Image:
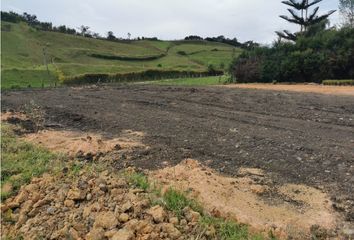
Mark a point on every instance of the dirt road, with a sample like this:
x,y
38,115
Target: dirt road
x,y
303,138
309,88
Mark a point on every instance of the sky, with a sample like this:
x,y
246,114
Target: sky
x,y
169,19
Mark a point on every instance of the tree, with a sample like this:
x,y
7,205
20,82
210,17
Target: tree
x,y
346,9
110,36
193,37
304,19
62,29
84,30
30,19
96,35
129,35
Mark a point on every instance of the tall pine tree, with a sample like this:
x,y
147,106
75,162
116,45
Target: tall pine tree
x,y
300,15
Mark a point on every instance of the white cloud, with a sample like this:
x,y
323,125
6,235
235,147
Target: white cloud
x,y
168,19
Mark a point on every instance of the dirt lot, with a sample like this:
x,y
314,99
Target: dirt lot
x,y
313,88
295,138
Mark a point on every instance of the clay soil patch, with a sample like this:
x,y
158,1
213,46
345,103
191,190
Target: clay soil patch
x,y
76,142
333,90
247,199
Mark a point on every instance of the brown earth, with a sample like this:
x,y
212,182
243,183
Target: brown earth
x,y
76,142
301,141
310,88
92,206
240,198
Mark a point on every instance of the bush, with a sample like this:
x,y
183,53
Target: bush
x,y
327,55
338,82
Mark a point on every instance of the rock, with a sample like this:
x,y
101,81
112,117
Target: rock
x,y
349,232
89,197
172,232
10,205
21,197
132,225
191,215
100,181
126,207
76,194
51,210
157,213
95,234
21,220
117,192
35,197
109,234
69,203
41,203
26,207
145,227
106,220
103,187
183,222
123,218
174,220
123,234
31,188
74,234
82,184
61,233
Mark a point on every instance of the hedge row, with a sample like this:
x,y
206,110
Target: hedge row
x,y
127,58
91,78
338,82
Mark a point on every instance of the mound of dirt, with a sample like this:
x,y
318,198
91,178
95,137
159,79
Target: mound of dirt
x,y
76,143
251,198
94,206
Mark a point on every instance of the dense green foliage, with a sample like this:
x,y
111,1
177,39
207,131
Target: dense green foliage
x,y
326,54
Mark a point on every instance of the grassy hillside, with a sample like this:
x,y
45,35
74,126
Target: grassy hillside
x,y
22,58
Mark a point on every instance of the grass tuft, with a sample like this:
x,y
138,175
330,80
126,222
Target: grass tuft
x,y
139,180
176,201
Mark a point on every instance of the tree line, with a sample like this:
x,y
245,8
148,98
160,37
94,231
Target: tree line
x,y
222,39
83,30
315,53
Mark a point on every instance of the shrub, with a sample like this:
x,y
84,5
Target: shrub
x,y
326,55
338,82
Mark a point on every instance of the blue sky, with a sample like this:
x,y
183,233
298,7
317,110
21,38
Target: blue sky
x,y
168,19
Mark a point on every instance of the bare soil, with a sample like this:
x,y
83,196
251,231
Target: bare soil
x,y
310,88
297,139
240,198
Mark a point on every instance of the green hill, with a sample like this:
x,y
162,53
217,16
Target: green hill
x,y
72,56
